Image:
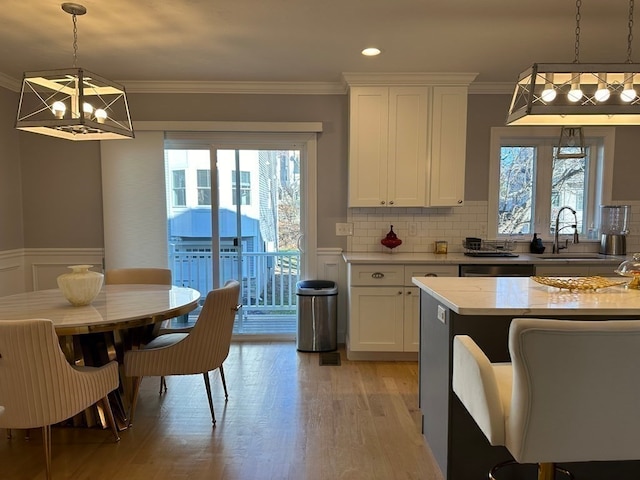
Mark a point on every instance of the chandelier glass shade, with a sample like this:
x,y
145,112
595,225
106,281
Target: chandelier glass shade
x,y
73,103
577,94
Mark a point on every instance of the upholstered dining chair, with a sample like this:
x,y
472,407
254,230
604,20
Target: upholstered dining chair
x,y
144,276
201,350
38,386
570,394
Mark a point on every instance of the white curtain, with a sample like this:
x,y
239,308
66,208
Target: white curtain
x,y
134,201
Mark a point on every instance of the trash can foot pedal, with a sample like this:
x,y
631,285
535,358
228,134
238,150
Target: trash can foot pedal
x,y
330,358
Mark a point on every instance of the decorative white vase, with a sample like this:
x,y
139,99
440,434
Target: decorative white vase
x,y
81,285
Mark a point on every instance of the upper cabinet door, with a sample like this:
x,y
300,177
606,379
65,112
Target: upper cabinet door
x,y
388,146
448,146
408,130
368,146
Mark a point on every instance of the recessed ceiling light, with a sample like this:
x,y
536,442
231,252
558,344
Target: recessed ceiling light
x,y
371,52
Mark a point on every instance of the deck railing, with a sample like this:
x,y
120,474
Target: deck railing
x,y
268,278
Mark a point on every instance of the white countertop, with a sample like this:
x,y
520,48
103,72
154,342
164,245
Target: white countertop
x,y
461,258
523,296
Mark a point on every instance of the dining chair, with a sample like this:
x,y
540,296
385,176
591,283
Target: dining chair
x,y
570,393
201,350
146,276
38,386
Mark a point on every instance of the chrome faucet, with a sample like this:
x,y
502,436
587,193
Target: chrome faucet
x,y
576,239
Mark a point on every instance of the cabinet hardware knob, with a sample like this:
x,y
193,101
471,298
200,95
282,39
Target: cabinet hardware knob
x,y
399,293
459,201
391,202
382,202
377,275
409,292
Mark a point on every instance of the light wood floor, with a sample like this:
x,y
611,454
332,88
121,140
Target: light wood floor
x,y
286,418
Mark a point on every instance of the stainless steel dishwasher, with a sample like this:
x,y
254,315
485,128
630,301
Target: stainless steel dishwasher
x,y
497,270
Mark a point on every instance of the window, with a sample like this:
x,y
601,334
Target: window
x,y
529,185
179,189
245,187
204,187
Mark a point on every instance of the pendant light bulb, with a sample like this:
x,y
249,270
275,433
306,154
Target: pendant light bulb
x,y
602,93
101,115
87,109
628,92
575,94
58,108
549,93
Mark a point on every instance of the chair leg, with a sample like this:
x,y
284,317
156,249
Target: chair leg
x,y
46,442
207,384
224,383
163,384
110,420
135,381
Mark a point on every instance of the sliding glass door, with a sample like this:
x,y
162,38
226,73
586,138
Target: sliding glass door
x,y
235,213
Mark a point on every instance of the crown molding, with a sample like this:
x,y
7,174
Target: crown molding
x,y
258,88
9,83
303,88
408,78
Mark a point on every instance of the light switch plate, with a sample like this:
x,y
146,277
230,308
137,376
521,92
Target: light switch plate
x,y
442,314
344,229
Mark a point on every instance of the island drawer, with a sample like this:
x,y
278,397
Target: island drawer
x,y
373,274
432,270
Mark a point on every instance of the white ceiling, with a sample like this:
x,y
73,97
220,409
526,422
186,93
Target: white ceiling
x,y
307,40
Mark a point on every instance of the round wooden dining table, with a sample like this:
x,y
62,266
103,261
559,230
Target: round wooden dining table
x,y
117,307
121,317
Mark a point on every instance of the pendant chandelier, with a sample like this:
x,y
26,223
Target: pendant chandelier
x,y
579,93
73,103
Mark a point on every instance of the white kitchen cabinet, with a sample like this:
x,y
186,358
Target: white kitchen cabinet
x,y
376,319
384,309
388,146
448,146
407,145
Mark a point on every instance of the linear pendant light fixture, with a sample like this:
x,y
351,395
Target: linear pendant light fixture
x,y
579,93
73,103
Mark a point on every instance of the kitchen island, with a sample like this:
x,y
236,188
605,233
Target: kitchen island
x,y
483,308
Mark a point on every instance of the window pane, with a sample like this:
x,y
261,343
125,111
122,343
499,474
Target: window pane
x,y
568,187
245,187
204,187
515,211
179,191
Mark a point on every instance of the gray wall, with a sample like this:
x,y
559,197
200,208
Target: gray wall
x,y
54,187
11,231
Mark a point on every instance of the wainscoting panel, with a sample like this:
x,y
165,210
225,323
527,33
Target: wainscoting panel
x,y
43,265
331,266
11,272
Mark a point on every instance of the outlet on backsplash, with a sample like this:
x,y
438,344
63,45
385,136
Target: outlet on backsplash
x,y
413,229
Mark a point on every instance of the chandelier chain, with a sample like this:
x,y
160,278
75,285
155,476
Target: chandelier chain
x,y
630,36
75,41
577,45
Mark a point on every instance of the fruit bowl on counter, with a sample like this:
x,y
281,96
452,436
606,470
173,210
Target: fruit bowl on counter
x,y
577,283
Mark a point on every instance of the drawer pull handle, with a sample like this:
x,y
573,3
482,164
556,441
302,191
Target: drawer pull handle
x,y
430,274
377,275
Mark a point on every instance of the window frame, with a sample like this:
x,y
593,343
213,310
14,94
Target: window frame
x,y
176,189
601,140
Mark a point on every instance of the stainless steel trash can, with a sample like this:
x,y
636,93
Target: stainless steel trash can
x,y
317,316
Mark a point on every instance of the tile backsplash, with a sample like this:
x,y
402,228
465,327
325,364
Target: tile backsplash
x,y
452,225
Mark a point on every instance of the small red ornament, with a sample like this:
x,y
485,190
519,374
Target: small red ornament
x,y
391,240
